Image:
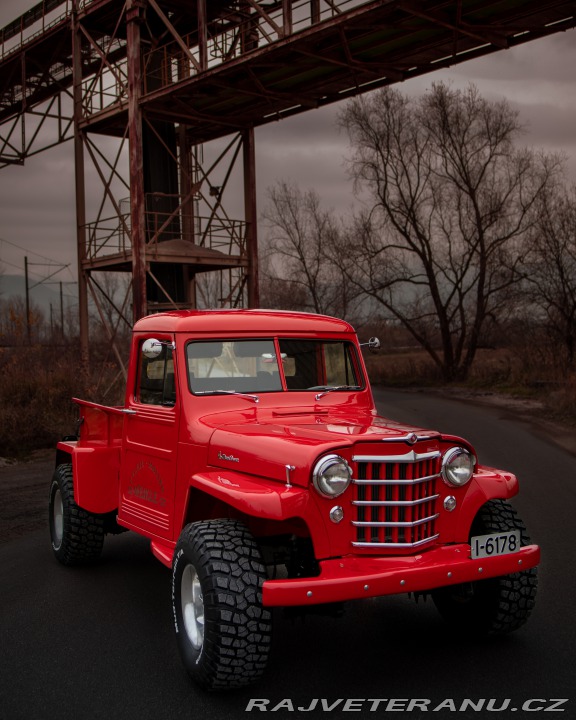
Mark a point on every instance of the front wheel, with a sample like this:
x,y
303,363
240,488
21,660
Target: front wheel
x,y
77,535
495,606
222,629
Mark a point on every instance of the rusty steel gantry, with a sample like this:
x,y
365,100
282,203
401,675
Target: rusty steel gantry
x,y
143,87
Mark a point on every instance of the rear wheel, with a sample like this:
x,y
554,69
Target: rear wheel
x,y
495,606
222,629
77,535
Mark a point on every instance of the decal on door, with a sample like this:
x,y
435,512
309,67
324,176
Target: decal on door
x,y
146,484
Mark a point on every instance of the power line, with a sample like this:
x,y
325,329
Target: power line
x,y
58,269
30,252
6,262
50,263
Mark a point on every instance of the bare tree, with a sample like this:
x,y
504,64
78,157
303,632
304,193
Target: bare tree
x,y
451,201
111,296
296,268
278,292
552,268
17,327
212,288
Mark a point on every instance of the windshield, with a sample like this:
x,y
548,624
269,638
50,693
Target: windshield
x,y
253,366
318,364
244,366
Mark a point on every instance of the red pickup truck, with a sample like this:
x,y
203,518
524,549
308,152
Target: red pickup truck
x,y
250,453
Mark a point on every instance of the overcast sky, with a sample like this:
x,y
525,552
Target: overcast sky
x,y
538,79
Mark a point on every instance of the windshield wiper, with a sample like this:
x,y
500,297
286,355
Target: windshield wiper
x,y
331,388
255,398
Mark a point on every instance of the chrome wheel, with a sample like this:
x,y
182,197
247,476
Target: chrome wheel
x,y
58,519
192,606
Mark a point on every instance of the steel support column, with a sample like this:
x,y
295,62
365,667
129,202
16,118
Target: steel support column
x,y
251,216
80,189
137,208
202,34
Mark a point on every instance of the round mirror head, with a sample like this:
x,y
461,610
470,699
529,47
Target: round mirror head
x,y
151,348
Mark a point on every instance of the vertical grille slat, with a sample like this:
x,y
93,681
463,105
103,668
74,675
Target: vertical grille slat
x,y
362,490
395,502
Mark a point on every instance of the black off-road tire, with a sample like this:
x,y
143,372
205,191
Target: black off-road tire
x,y
495,606
222,629
77,535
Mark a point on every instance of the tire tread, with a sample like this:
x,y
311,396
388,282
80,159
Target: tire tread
x,y
238,628
517,592
83,531
495,606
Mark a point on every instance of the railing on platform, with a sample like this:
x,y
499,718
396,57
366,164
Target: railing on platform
x,y
111,236
234,34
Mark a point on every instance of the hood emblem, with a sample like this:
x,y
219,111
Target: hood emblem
x,y
412,438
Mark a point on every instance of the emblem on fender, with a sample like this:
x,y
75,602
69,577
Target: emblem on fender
x,y
230,458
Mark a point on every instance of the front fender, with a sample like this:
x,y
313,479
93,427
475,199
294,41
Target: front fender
x,y
264,499
486,484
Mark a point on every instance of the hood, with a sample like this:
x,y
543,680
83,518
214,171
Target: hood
x,y
265,448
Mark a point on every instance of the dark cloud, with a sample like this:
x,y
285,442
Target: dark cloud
x,y
37,208
314,126
11,9
549,125
550,59
307,150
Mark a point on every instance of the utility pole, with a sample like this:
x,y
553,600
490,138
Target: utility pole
x,y
28,330
61,312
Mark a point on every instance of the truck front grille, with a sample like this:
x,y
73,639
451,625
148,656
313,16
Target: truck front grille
x,y
395,500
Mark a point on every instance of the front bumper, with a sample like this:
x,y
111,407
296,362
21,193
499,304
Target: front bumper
x,y
352,578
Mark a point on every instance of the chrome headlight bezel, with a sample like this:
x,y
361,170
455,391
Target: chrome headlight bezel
x,y
331,485
458,466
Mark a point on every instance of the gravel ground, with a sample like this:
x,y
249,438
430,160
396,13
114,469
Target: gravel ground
x,y
24,495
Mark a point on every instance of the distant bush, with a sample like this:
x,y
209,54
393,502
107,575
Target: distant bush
x,y
37,384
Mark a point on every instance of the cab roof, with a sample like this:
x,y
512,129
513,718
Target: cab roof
x,y
218,322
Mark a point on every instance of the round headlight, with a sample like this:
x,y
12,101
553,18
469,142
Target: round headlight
x,y
457,466
331,476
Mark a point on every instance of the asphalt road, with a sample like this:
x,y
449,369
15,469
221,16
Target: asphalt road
x,y
97,642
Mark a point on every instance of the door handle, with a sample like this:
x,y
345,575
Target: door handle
x,y
128,411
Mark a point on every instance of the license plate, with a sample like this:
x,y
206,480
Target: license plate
x,y
495,544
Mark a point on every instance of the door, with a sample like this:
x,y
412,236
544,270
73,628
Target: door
x,y
150,442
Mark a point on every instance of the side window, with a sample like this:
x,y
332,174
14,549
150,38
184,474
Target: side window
x,y
156,382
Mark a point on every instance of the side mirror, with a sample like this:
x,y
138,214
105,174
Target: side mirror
x,y
373,344
151,348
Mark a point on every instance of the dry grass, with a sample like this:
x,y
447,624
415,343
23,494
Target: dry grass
x,y
35,392
517,371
